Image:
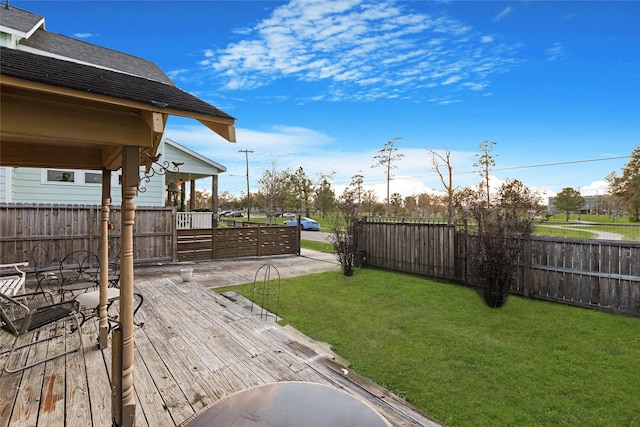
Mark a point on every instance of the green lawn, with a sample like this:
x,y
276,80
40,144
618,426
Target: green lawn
x,y
530,363
601,219
557,230
317,246
556,227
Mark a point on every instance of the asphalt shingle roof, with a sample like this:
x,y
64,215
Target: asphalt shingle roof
x,y
18,19
86,78
100,56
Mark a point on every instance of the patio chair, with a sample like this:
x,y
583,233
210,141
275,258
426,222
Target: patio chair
x,y
27,316
12,279
89,302
45,260
78,271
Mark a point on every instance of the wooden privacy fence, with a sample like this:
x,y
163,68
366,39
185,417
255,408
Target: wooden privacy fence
x,y
77,227
427,249
235,242
156,238
590,273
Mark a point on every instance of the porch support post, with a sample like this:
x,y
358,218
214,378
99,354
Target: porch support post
x,y
125,414
104,259
214,200
192,195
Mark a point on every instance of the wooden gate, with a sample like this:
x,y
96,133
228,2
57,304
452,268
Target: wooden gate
x,y
236,242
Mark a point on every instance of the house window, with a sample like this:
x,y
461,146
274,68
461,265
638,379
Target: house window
x,y
92,178
60,176
77,177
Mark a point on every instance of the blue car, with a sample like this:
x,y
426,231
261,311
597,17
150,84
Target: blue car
x,y
306,223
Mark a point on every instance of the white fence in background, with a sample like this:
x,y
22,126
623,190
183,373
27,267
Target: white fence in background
x,y
191,220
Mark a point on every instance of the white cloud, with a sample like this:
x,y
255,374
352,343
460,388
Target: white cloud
x,y
291,147
555,52
357,49
595,188
450,80
503,13
177,75
83,35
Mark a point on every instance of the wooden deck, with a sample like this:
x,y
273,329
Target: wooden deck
x,y
195,348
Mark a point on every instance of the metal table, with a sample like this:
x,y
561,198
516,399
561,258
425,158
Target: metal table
x,y
288,404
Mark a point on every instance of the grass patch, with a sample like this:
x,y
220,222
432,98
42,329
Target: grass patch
x,y
529,363
600,219
559,231
317,246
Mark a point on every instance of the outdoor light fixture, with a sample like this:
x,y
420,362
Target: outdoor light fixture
x,y
173,187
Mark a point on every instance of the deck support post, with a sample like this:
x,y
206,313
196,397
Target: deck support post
x,y
103,341
124,415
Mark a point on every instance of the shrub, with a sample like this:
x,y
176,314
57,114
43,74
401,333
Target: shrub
x,y
502,229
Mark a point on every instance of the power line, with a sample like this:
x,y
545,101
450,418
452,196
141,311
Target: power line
x,y
540,165
562,163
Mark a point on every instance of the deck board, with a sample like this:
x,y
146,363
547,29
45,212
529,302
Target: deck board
x,y
195,348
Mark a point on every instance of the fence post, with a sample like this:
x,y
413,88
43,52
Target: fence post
x,y
528,271
174,228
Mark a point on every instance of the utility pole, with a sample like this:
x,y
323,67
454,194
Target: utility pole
x,y
246,155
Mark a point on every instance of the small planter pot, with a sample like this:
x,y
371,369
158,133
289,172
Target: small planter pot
x,y
186,274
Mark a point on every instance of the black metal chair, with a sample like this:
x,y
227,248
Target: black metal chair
x,y
26,316
78,271
45,261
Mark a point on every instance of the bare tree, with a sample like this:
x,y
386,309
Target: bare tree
x,y
274,187
356,184
386,157
436,159
485,162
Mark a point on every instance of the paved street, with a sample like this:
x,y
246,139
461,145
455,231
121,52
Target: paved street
x,y
316,236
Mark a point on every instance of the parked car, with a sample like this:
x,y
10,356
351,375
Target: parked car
x,y
236,214
305,223
288,215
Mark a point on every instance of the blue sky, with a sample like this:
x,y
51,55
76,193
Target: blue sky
x,y
323,85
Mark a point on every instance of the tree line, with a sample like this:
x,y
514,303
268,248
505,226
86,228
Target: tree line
x,y
286,190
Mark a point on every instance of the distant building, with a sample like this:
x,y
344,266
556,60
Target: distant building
x,y
592,204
